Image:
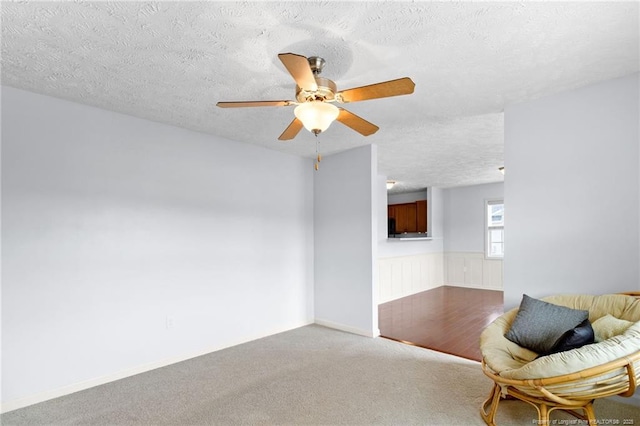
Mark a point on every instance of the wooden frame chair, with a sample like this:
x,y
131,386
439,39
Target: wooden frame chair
x,y
574,392
569,392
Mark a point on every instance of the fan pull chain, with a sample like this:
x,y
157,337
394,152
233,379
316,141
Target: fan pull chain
x,y
318,156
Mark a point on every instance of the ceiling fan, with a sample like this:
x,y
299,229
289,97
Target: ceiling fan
x,y
315,96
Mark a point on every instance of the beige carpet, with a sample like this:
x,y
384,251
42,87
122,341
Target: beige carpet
x,y
311,375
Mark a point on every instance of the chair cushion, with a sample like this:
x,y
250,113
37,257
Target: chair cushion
x,y
618,305
539,325
609,326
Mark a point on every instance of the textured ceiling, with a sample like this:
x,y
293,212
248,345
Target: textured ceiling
x,y
172,61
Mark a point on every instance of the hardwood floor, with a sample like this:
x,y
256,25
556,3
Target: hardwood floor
x,y
446,319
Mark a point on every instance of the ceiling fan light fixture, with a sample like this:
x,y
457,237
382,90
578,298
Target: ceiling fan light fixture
x,y
316,116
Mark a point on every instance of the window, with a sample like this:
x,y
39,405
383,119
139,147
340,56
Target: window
x,y
495,229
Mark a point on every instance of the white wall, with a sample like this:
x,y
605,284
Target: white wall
x,y
111,225
464,224
572,191
382,197
346,235
464,237
436,196
407,197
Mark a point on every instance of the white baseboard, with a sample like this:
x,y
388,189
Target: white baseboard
x,y
479,287
86,384
347,328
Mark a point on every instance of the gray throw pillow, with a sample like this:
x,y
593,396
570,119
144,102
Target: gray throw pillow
x,y
538,325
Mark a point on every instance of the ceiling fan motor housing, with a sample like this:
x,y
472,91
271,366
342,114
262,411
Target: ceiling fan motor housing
x,y
326,91
316,64
326,88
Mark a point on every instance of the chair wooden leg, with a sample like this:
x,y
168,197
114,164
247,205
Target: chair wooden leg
x,y
590,413
543,414
492,402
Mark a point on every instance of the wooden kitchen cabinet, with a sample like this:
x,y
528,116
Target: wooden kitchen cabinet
x,y
421,215
409,217
400,217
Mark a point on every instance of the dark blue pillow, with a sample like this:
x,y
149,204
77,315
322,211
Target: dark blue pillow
x,y
574,338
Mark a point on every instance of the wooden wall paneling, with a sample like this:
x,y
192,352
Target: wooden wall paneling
x,y
396,279
416,282
385,278
472,270
492,273
405,275
455,269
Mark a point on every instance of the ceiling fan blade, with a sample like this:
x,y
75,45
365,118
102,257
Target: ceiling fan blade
x,y
291,131
401,86
299,68
358,124
241,104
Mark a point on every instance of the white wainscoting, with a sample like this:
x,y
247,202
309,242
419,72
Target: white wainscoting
x,y
468,269
406,275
